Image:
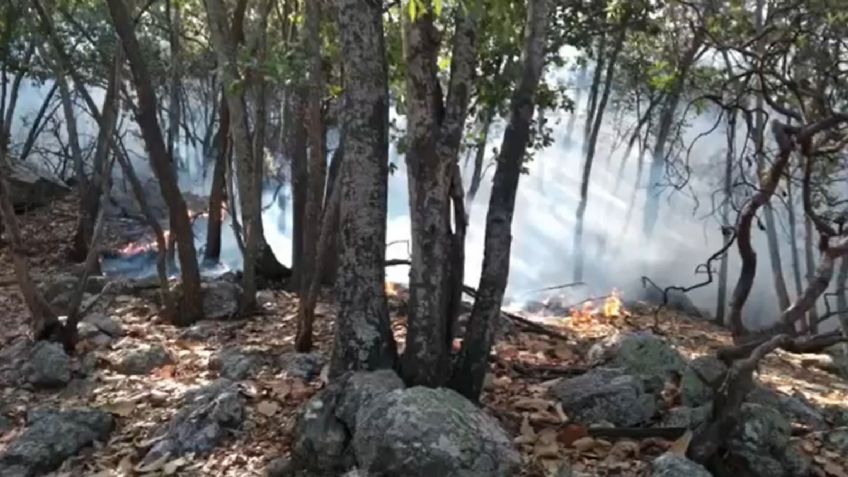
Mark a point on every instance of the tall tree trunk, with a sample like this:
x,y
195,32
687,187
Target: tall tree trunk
x,y
594,90
592,141
664,130
11,100
363,339
90,200
730,156
810,261
191,304
246,170
317,175
793,239
572,118
480,154
842,295
174,83
73,133
296,145
218,193
38,123
434,132
473,361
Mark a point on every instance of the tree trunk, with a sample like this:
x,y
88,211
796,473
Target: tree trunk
x,y
38,123
572,118
665,128
810,261
842,295
174,86
594,89
218,193
591,143
434,131
191,306
296,144
363,339
246,170
73,133
480,155
730,156
317,175
473,361
90,200
793,239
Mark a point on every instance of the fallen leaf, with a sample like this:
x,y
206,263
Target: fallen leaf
x,y
681,445
157,464
527,434
570,433
267,408
173,466
530,403
560,412
584,444
120,408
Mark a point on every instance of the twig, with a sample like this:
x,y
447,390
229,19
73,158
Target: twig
x,y
554,287
521,321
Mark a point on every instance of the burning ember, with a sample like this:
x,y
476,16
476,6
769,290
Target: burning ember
x,y
611,308
391,289
139,246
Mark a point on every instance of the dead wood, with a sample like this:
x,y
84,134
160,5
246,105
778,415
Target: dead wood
x,y
527,325
798,345
669,433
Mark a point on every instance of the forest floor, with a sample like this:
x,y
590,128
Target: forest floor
x,y
524,367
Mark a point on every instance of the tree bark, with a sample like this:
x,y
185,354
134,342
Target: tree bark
x,y
480,155
296,145
473,361
38,123
810,261
363,339
174,83
191,306
434,131
73,133
594,89
842,295
218,193
591,143
793,239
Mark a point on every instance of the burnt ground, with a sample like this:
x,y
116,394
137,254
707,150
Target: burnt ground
x,y
525,364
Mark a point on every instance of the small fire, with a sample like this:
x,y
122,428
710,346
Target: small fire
x,y
611,308
391,289
140,246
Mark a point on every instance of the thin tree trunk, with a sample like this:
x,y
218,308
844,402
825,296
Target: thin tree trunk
x,y
572,118
810,261
37,123
363,339
473,362
480,155
592,100
296,145
592,141
174,86
191,305
842,295
12,101
793,239
317,175
73,134
218,193
730,156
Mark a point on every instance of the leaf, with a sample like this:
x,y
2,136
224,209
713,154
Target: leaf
x,y
533,404
528,435
570,433
267,408
681,445
437,7
560,413
120,408
584,444
157,464
173,466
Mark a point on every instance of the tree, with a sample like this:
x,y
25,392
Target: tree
x,y
363,339
191,306
473,361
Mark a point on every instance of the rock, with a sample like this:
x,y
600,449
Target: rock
x,y
677,300
48,365
638,353
673,465
90,333
689,417
199,331
6,425
220,300
837,440
360,391
761,441
795,408
796,461
237,364
142,360
306,366
51,437
280,467
209,415
321,440
695,391
31,186
105,324
605,394
422,432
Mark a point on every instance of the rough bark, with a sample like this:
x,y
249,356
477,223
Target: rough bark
x,y
73,133
434,132
793,239
363,339
842,295
594,89
296,145
174,81
191,308
480,155
218,193
810,262
591,144
316,173
245,164
473,361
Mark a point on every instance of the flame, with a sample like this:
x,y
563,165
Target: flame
x,y
391,289
585,312
141,246
612,305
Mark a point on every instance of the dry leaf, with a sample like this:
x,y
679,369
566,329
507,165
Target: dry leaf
x,y
624,449
584,444
570,433
560,412
267,408
534,404
120,408
157,464
528,435
835,470
681,445
542,450
171,467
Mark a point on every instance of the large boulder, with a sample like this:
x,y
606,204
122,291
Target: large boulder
x,y
606,394
141,360
31,187
48,365
700,378
306,366
795,408
51,437
322,441
209,415
360,391
673,465
221,299
423,432
638,353
105,324
677,300
689,417
238,363
761,441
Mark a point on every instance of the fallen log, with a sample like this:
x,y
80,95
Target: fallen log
x,y
810,344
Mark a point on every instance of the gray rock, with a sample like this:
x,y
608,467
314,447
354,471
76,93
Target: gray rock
x,y
236,363
31,186
677,300
837,440
306,366
689,417
361,389
793,407
221,300
605,394
697,378
141,360
761,441
48,365
92,334
209,415
105,324
199,331
427,432
6,425
796,461
638,353
51,437
673,465
322,441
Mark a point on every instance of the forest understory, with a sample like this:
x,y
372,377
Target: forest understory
x,y
529,362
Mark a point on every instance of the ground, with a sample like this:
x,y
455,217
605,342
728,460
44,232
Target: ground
x,y
525,364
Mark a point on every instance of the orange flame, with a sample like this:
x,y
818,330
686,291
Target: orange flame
x,y
611,308
612,305
141,246
391,289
